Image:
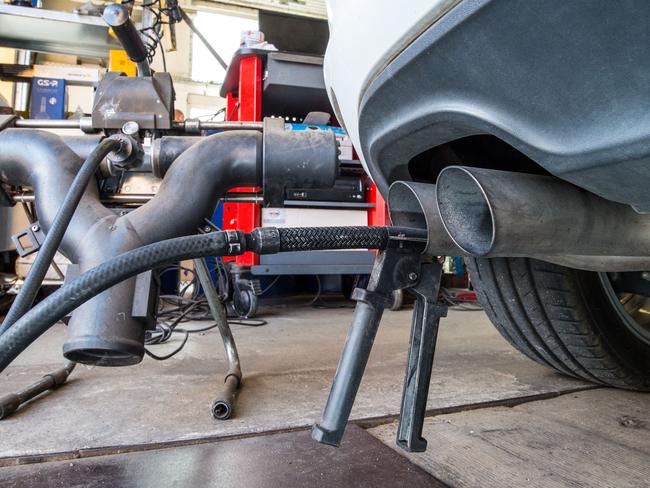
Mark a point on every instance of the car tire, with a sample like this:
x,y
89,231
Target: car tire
x,y
562,318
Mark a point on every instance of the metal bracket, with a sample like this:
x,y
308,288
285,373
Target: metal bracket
x,y
7,120
34,234
424,332
394,269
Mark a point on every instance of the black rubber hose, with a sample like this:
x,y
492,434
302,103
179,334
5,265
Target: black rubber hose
x,y
91,283
52,309
55,234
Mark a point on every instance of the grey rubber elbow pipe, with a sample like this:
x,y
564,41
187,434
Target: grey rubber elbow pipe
x,y
104,330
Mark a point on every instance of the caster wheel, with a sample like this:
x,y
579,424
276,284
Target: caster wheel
x,y
245,303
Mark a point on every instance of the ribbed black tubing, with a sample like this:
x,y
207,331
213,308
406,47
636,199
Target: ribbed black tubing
x,y
38,270
321,238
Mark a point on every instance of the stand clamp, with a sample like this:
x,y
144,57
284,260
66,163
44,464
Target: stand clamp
x,y
394,269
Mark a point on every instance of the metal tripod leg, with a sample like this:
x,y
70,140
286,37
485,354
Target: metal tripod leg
x,y
365,322
424,331
223,405
392,270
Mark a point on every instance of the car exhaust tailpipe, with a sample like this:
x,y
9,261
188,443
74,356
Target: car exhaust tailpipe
x,y
499,213
414,205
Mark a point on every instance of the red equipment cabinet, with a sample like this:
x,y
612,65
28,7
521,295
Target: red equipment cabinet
x,y
246,106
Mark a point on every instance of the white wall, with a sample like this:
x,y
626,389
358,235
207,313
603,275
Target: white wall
x,y
6,87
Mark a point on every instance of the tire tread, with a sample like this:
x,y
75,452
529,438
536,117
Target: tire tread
x,y
540,309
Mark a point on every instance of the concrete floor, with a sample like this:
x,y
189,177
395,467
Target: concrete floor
x,y
288,366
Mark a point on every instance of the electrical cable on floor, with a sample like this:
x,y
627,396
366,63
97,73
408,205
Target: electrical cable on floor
x,y
459,304
177,309
270,285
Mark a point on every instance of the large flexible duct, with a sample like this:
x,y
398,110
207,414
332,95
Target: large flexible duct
x,y
103,331
55,234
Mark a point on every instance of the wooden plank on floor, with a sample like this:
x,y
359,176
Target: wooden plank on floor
x,y
597,438
280,460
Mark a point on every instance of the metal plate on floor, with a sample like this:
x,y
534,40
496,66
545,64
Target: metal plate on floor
x,y
276,460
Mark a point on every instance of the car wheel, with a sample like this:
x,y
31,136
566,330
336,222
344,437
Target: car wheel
x,y
573,321
245,304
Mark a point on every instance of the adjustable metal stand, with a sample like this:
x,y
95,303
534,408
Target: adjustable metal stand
x,y
223,405
394,269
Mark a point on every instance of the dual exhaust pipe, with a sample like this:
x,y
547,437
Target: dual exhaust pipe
x,y
490,213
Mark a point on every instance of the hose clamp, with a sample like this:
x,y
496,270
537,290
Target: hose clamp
x,y
234,242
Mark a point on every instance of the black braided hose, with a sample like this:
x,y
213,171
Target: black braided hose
x,y
320,238
267,240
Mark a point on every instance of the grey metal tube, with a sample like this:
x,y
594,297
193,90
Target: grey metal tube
x,y
140,199
219,314
47,123
222,407
414,205
498,213
186,125
84,123
224,403
197,125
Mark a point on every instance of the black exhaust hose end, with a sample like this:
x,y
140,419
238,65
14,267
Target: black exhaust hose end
x,y
9,404
223,406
